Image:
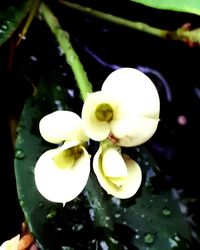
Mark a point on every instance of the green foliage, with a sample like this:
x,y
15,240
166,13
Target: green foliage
x,y
187,6
11,17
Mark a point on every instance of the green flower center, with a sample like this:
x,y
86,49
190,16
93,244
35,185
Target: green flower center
x,y
104,112
67,157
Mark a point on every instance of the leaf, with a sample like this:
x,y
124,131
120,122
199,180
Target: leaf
x,y
187,6
94,220
11,17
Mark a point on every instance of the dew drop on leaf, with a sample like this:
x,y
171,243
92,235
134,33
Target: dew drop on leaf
x,y
52,213
41,205
166,211
20,154
149,238
77,227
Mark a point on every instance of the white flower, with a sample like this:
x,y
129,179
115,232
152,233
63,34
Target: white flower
x,y
11,244
62,173
126,110
117,173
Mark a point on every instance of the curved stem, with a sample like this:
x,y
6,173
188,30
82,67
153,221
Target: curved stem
x,y
72,58
184,34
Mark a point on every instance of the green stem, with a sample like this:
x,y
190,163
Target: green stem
x,y
72,58
184,34
115,19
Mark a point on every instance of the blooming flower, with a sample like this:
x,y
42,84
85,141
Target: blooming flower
x,y
62,173
117,173
126,110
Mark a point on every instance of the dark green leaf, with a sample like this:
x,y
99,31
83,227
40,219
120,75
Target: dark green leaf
x,y
11,17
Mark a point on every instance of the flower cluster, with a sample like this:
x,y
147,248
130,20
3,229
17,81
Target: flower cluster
x,y
124,113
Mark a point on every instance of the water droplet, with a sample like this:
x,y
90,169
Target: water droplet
x,y
116,201
52,213
20,154
166,211
66,248
4,27
21,203
71,58
149,238
117,215
60,51
172,243
71,92
104,245
137,236
77,227
41,205
91,212
59,229
58,104
107,218
33,58
114,241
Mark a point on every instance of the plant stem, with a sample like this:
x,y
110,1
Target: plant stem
x,y
115,19
184,34
72,58
32,13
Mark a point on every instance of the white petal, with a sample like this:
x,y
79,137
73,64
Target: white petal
x,y
132,132
134,86
129,185
11,244
61,184
62,125
95,129
137,116
113,164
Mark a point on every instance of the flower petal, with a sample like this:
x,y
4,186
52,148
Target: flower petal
x,y
11,244
133,132
113,164
96,129
61,184
62,125
124,187
137,116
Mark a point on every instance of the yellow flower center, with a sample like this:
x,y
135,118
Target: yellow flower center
x,y
104,112
67,157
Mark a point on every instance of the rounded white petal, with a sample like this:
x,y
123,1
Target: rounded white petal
x,y
113,164
97,130
60,184
137,116
62,125
124,187
133,132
